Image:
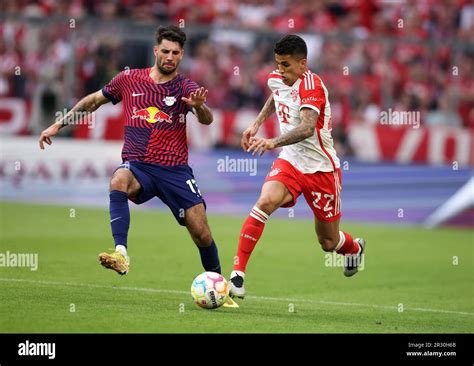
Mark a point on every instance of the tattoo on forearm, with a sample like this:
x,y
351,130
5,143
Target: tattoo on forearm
x,y
296,135
86,105
301,132
266,111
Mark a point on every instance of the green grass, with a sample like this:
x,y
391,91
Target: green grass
x,y
404,265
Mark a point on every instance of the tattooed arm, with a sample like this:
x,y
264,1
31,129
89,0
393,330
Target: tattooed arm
x,y
252,130
89,104
303,131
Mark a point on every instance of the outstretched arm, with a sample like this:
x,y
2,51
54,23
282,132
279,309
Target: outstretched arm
x,y
267,110
252,130
196,100
203,114
90,103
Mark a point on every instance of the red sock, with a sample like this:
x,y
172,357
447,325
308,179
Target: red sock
x,y
346,244
251,232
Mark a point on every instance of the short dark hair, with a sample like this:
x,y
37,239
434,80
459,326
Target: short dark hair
x,y
291,45
171,33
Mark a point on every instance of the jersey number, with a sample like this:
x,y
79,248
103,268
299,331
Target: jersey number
x,y
193,186
329,197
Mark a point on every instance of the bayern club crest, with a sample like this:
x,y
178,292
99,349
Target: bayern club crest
x,y
294,95
169,101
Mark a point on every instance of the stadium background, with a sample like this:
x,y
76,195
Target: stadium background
x,y
374,57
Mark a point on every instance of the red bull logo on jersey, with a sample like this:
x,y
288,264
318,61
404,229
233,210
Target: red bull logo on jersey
x,y
152,115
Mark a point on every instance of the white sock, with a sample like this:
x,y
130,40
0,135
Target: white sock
x,y
122,249
342,240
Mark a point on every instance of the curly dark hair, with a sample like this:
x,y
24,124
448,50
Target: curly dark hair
x,y
171,33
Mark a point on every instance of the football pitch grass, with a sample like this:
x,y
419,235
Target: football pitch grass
x,y
414,280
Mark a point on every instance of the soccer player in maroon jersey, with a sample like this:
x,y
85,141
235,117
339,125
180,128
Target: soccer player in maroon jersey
x,y
307,164
155,152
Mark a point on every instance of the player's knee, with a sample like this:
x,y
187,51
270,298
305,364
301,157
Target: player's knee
x,y
203,238
267,203
119,182
327,244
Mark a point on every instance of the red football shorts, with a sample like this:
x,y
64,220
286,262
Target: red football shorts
x,y
321,189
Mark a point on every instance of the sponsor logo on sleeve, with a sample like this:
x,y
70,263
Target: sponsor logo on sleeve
x,y
309,99
274,172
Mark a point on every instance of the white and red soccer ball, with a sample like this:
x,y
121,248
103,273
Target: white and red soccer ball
x,y
210,290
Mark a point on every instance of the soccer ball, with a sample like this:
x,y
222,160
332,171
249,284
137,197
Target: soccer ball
x,y
209,290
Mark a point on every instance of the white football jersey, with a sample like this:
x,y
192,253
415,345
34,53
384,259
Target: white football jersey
x,y
316,153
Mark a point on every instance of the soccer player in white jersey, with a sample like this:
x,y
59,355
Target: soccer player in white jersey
x,y
307,164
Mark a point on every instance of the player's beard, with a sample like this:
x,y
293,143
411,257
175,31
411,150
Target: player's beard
x,y
165,71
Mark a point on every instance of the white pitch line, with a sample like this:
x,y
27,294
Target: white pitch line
x,y
266,298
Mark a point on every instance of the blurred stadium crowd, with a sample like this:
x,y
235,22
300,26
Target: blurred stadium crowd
x,y
372,55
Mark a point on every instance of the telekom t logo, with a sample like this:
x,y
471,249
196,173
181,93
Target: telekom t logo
x,y
283,112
